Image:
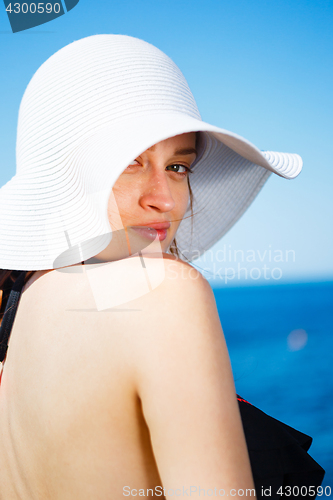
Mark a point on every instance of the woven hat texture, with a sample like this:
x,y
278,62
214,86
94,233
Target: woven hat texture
x,y
89,110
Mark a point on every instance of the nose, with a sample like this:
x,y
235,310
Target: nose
x,y
156,192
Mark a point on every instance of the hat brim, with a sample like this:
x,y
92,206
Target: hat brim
x,y
33,206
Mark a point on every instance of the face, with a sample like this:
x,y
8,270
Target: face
x,y
153,190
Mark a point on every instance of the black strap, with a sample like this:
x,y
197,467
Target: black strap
x,y
9,315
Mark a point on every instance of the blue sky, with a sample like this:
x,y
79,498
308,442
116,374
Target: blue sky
x,y
261,69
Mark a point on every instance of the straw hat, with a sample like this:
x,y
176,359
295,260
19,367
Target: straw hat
x,y
89,110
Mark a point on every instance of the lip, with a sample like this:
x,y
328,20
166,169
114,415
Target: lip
x,y
152,231
155,225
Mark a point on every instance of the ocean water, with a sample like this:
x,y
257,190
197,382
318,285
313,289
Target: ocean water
x,y
280,341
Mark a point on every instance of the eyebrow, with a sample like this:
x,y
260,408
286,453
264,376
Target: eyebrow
x,y
186,151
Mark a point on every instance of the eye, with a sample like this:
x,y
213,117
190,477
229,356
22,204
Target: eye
x,y
179,166
134,162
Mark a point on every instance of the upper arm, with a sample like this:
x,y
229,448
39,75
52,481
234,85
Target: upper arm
x,y
185,383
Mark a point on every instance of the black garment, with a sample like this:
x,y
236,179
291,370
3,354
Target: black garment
x,y
9,314
281,466
278,454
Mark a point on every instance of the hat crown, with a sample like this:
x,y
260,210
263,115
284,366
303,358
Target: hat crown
x,y
90,83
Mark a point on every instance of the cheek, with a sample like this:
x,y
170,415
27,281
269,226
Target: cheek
x,y
119,206
116,198
182,201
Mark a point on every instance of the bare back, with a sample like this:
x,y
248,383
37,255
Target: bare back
x,y
71,418
71,423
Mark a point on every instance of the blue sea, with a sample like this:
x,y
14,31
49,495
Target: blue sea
x,y
280,341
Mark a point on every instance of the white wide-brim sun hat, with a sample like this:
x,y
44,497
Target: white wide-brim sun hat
x,y
87,112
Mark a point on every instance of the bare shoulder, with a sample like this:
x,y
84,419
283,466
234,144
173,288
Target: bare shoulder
x,y
183,287
181,309
153,282
180,275
173,262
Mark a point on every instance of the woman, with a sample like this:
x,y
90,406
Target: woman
x,y
138,400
